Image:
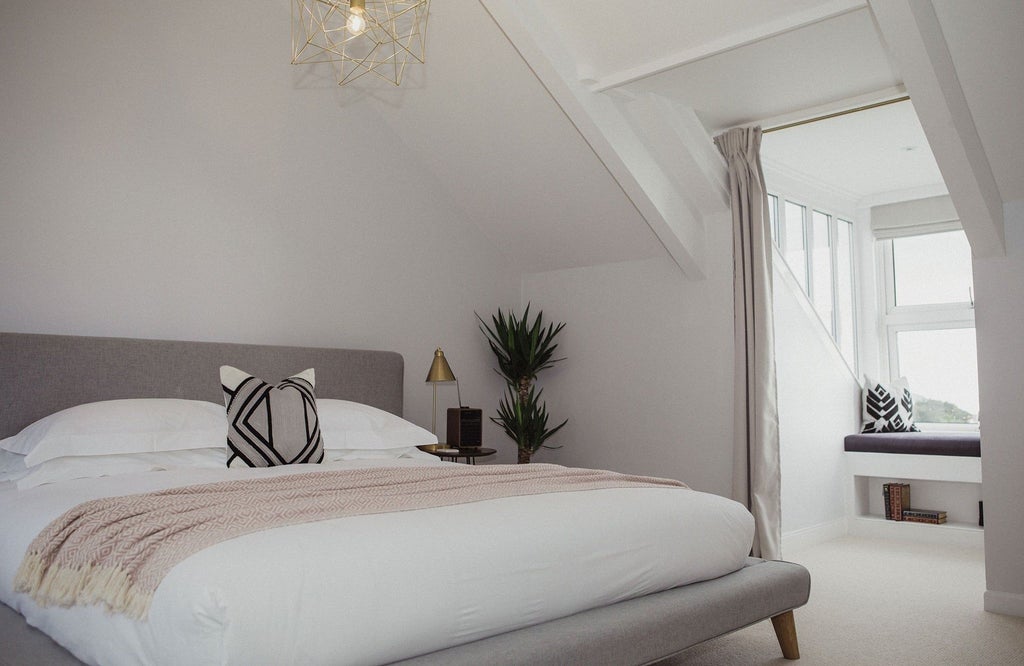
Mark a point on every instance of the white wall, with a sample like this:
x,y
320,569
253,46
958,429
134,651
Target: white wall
x,y
999,313
819,404
647,380
167,174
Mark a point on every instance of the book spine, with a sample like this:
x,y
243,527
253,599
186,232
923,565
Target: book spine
x,y
896,492
905,497
888,507
922,519
923,513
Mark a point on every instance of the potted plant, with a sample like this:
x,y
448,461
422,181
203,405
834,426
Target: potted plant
x,y
523,349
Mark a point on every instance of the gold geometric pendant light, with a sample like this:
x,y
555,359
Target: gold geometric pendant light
x,y
360,36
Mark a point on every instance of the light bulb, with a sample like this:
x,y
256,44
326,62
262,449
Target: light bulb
x,y
356,22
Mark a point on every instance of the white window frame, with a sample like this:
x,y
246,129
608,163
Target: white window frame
x,y
784,241
889,279
834,230
830,232
931,317
807,226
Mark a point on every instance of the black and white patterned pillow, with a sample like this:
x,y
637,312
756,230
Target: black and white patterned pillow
x,y
888,407
271,425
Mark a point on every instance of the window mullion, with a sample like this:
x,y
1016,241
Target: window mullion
x,y
833,249
808,252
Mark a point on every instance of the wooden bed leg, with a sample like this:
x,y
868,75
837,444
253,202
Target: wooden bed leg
x,y
785,631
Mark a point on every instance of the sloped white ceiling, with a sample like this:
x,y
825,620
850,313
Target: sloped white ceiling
x,y
477,117
611,35
739,62
861,155
828,61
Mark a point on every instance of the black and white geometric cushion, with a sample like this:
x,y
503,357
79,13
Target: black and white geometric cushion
x,y
271,425
888,408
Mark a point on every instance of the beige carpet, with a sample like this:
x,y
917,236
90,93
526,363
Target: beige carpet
x,y
879,602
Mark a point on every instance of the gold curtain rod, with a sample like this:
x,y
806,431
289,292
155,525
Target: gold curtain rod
x,y
836,114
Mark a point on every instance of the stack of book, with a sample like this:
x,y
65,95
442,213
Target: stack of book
x,y
924,516
896,496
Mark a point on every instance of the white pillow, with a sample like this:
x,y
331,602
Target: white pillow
x,y
338,455
87,467
352,425
12,465
122,426
887,407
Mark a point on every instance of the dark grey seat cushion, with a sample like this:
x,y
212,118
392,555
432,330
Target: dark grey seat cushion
x,y
966,444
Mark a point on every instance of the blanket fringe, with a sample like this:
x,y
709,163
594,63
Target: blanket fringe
x,y
89,584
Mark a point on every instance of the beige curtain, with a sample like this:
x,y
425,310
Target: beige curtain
x,y
756,477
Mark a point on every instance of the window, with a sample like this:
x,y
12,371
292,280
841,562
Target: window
x,y
942,368
818,249
846,325
932,269
794,242
929,317
821,268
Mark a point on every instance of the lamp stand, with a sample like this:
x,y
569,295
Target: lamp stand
x,y
433,412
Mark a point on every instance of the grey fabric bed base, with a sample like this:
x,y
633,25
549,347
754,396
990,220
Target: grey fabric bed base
x,y
644,630
41,374
634,632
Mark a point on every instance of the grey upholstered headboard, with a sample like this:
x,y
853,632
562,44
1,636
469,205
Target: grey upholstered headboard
x,y
42,374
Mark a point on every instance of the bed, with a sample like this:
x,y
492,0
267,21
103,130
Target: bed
x,y
428,586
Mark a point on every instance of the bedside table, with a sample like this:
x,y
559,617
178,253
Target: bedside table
x,y
470,454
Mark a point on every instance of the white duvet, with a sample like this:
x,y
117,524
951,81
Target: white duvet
x,y
379,588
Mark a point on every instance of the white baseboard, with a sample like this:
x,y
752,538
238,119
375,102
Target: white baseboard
x,y
813,535
1004,603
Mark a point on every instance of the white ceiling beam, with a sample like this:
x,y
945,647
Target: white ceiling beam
x,y
677,140
920,53
729,42
609,134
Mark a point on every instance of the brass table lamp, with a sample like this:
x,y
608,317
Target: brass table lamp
x,y
439,372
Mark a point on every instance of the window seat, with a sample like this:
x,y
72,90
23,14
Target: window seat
x,y
967,444
944,470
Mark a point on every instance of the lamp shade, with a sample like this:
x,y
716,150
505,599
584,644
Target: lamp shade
x,y
360,37
440,371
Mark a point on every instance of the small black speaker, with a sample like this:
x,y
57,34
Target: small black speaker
x,y
465,427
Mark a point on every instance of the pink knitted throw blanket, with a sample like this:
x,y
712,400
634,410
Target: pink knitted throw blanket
x,y
115,551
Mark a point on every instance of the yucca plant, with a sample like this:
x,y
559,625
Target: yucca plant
x,y
523,349
525,422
